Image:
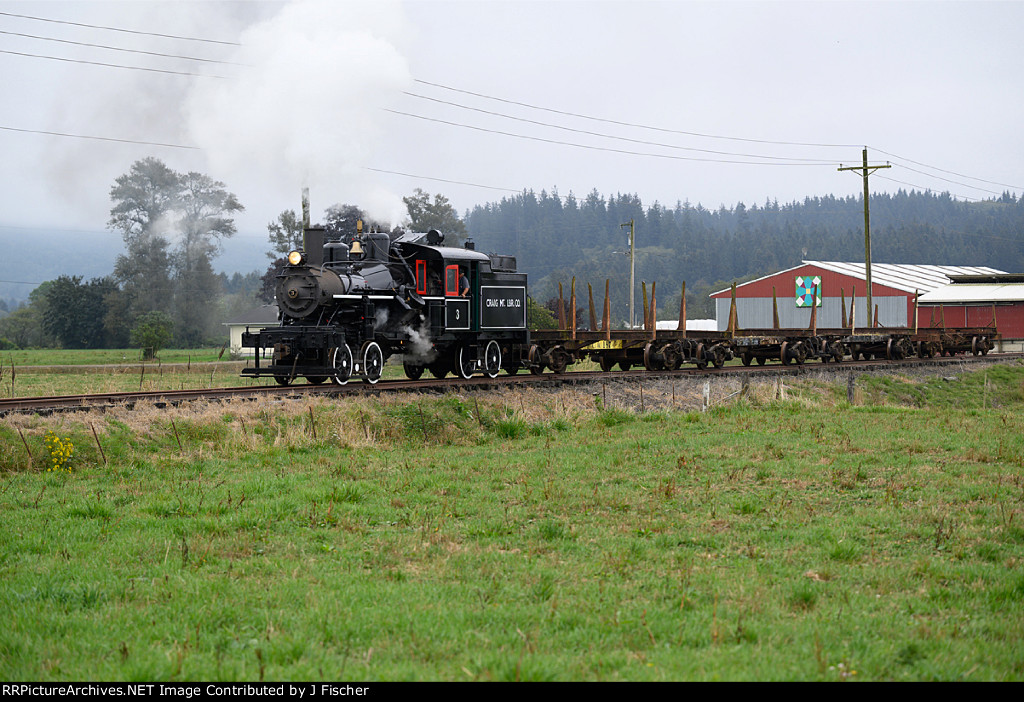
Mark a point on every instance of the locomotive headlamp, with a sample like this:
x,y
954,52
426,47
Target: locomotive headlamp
x,y
296,258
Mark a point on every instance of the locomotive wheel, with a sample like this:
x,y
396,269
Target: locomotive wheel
x,y
315,379
513,367
283,379
438,369
413,371
373,362
341,359
492,359
466,364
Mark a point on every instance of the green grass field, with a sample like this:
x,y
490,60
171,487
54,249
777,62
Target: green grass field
x,y
523,536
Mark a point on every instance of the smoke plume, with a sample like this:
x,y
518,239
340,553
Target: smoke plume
x,y
304,107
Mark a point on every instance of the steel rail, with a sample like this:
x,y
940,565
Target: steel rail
x,y
164,398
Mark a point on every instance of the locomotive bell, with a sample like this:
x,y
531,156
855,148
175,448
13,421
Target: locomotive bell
x,y
357,248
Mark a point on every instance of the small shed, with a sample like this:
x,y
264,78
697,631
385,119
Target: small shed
x,y
827,285
255,319
972,300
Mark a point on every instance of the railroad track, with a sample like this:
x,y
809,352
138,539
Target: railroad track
x,y
176,397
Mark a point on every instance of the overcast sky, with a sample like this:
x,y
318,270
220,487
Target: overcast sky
x,y
714,102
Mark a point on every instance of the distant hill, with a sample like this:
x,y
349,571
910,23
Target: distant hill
x,y
32,256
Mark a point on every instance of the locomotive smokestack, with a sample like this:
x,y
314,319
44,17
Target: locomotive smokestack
x,y
313,245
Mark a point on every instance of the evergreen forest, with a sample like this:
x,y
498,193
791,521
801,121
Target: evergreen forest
x,y
556,238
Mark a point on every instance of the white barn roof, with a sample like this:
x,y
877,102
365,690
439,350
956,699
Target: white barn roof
x,y
906,277
909,278
970,293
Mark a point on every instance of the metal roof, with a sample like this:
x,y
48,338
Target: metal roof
x,y
968,293
906,277
910,278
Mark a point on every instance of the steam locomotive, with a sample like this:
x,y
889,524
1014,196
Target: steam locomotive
x,y
346,307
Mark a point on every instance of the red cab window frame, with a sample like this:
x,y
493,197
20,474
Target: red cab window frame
x,y
451,281
421,276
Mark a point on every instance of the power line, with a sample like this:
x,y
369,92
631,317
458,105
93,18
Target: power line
x,y
98,138
119,29
109,65
947,180
611,136
441,180
591,148
941,170
631,124
117,48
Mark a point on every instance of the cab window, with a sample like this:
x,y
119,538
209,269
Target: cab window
x,y
451,281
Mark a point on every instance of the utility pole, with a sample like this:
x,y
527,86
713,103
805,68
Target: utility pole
x,y
632,271
865,171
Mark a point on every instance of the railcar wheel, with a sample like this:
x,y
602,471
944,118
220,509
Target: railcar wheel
x,y
699,358
373,362
316,379
784,354
536,366
559,360
606,363
341,359
671,356
761,360
492,359
466,363
747,357
283,379
413,371
625,365
650,362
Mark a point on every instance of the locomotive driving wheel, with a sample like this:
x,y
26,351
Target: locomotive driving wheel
x,y
492,359
466,363
341,359
373,361
413,371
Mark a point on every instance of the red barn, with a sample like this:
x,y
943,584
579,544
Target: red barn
x,y
970,300
825,284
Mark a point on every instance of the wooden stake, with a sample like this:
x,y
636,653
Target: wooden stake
x,y
561,309
572,305
98,444
312,422
842,294
31,458
643,285
593,315
177,438
606,325
682,312
775,310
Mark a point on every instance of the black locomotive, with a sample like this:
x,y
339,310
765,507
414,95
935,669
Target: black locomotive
x,y
346,307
